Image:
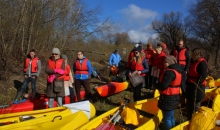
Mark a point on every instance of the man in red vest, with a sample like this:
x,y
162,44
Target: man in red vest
x,y
32,69
181,53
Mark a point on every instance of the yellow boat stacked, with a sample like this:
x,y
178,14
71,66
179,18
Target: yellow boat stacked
x,y
53,118
147,106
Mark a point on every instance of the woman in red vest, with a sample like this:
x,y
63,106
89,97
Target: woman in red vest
x,y
138,63
195,85
55,69
169,88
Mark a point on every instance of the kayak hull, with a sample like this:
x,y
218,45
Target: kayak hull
x,y
111,88
149,106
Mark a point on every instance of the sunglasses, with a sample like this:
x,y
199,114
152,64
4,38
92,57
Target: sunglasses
x,y
136,52
54,54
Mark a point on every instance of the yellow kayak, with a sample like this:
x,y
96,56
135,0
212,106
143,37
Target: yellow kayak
x,y
70,122
147,106
28,118
215,109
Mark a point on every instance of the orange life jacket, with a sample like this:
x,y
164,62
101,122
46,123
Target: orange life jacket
x,y
114,70
174,87
149,53
136,66
55,65
181,58
81,68
193,75
34,66
66,75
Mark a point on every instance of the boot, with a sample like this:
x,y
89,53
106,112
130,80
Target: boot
x,y
18,97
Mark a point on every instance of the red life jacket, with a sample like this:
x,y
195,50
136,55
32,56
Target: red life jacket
x,y
81,68
34,67
149,53
174,86
181,58
55,65
136,66
193,75
66,75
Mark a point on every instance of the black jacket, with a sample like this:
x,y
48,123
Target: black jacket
x,y
194,91
168,102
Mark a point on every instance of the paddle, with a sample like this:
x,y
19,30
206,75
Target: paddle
x,y
107,126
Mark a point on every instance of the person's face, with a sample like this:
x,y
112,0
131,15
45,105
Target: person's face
x,y
180,44
158,51
32,54
136,53
80,55
55,55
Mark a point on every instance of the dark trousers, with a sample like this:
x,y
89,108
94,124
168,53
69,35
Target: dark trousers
x,y
85,84
26,82
191,107
148,79
137,91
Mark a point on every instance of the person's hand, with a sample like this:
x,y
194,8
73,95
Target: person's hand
x,y
25,76
33,76
129,74
59,71
139,72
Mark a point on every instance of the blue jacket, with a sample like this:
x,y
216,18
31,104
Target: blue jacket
x,y
83,76
114,59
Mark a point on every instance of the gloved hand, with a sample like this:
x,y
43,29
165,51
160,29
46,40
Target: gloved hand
x,y
51,78
58,71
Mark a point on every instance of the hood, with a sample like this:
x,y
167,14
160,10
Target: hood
x,y
176,67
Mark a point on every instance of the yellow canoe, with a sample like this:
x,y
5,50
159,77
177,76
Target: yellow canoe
x,y
70,122
215,108
148,106
31,118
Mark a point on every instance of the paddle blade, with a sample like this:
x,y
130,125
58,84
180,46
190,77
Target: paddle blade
x,y
106,126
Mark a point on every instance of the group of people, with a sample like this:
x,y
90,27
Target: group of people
x,y
59,76
159,69
170,72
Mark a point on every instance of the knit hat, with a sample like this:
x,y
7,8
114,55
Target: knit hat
x,y
116,50
170,60
56,51
137,49
64,57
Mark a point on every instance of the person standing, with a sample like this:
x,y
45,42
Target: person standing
x,y
82,69
32,69
138,63
158,65
149,53
114,60
55,69
181,53
195,85
68,80
169,89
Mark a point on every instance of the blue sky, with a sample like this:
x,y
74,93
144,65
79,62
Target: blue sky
x,y
135,16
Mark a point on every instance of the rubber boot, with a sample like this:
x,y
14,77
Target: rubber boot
x,y
18,97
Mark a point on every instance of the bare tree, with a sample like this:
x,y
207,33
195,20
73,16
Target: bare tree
x,y
205,23
170,28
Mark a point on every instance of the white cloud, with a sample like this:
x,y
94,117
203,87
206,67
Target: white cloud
x,y
136,22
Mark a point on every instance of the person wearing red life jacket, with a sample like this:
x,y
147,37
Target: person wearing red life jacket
x,y
164,48
181,53
32,69
158,65
195,85
149,54
55,69
68,80
138,63
82,69
169,89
